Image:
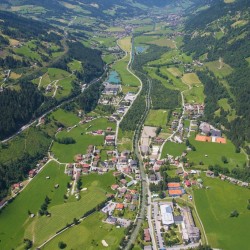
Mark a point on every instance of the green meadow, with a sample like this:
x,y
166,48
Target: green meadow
x,y
65,153
66,118
156,118
40,228
214,152
214,206
171,148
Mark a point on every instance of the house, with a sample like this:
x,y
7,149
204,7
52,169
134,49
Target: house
x,y
128,197
132,207
111,220
187,183
123,181
210,173
32,173
114,187
178,219
203,138
119,206
147,237
110,140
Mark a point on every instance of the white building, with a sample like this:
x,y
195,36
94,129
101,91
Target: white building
x,y
167,214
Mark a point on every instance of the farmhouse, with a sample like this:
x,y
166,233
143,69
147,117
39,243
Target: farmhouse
x,y
119,206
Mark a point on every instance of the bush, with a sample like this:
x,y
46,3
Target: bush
x,y
61,244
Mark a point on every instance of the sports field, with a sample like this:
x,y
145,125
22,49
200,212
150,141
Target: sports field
x,y
214,206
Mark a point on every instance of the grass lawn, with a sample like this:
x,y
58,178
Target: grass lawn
x,y
190,79
215,151
214,206
66,118
115,29
89,235
156,118
175,149
109,58
65,153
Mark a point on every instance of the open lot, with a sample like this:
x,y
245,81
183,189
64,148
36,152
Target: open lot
x,y
214,206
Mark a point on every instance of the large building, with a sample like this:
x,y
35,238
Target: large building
x,y
167,214
190,233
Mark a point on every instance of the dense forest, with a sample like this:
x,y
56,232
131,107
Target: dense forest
x,y
164,98
18,107
93,65
223,31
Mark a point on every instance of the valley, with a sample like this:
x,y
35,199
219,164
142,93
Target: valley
x,y
122,125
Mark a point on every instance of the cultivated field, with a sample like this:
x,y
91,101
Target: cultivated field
x,y
190,79
214,206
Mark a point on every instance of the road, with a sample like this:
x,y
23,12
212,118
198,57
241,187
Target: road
x,y
144,186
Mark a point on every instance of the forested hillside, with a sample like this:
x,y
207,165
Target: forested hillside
x,y
221,34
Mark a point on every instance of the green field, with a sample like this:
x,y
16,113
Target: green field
x,y
75,65
156,118
41,228
214,206
66,118
128,80
125,140
89,235
175,149
190,79
214,66
27,52
215,151
65,153
16,213
195,95
175,71
164,42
